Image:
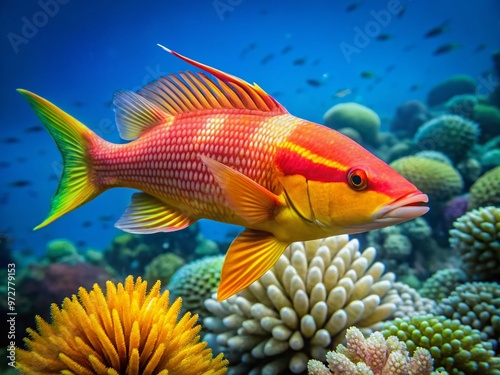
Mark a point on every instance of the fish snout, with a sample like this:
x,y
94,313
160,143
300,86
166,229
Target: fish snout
x,y
405,208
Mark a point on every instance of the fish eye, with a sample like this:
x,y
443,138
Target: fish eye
x,y
357,179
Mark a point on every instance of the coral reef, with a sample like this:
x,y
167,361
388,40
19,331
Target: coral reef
x,y
476,305
127,330
412,302
302,306
439,181
407,248
434,155
455,347
486,190
409,116
450,134
476,237
353,115
45,284
131,253
442,283
195,282
163,267
462,105
456,85
488,117
61,250
373,356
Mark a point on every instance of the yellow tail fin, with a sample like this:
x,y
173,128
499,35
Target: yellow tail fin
x,y
73,139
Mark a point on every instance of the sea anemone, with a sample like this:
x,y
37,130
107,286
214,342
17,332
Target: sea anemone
x,y
125,331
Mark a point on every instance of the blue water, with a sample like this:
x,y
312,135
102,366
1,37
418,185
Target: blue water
x,y
77,53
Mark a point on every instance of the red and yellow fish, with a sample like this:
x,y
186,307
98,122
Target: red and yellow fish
x,y
222,149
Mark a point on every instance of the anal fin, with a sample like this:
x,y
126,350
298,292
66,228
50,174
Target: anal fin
x,y
249,257
147,214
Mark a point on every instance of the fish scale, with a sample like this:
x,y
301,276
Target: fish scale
x,y
222,149
164,162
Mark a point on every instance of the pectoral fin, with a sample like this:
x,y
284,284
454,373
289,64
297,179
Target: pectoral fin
x,y
147,214
249,257
247,198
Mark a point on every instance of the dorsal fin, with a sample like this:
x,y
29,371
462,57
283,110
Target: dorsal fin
x,y
187,91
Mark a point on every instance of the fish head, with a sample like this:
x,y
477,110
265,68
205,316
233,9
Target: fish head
x,y
348,189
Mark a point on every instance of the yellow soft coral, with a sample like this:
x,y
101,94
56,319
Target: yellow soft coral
x,y
125,331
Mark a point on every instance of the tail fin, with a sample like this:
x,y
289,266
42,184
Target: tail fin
x,y
73,140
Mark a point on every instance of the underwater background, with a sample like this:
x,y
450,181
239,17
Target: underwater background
x,y
426,77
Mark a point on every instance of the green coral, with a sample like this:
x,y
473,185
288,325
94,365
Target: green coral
x,y
195,282
434,155
486,190
163,267
477,305
439,181
456,85
462,105
62,250
442,283
450,134
356,116
488,117
476,237
455,347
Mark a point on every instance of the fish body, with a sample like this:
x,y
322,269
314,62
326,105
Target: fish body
x,y
222,149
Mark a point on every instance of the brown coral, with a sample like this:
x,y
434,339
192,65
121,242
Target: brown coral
x,y
125,331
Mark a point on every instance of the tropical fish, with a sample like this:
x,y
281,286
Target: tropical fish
x,y
267,58
438,30
300,61
384,37
353,6
445,48
314,82
342,92
222,149
367,74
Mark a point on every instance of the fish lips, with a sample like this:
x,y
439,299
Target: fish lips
x,y
402,209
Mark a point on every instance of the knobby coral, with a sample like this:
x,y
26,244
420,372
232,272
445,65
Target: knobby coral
x,y
455,347
373,356
451,134
476,237
125,331
301,307
486,190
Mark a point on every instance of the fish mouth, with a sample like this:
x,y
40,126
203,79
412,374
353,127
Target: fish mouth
x,y
402,209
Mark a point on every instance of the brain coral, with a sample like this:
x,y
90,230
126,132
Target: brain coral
x,y
195,282
456,85
304,304
457,348
486,190
476,305
476,237
353,115
125,331
439,181
374,356
451,134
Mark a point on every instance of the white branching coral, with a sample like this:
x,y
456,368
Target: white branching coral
x,y
301,307
373,356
